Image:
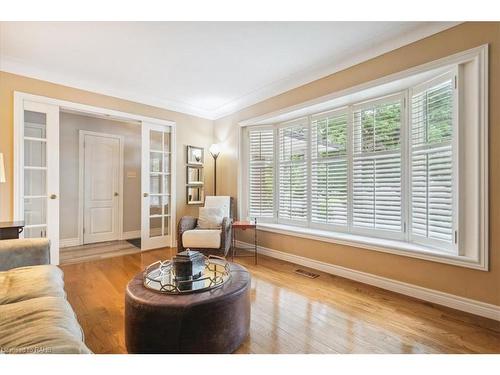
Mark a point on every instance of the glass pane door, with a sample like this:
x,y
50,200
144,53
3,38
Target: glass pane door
x,y
156,175
35,174
39,178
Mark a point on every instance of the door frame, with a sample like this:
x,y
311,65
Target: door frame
x,y
20,97
81,182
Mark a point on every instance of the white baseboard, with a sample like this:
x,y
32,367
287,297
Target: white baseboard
x,y
68,242
431,295
131,234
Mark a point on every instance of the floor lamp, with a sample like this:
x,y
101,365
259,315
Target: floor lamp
x,y
215,151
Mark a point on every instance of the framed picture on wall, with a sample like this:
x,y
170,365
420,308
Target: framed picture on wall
x,y
195,155
195,194
194,175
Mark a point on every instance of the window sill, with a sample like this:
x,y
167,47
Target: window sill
x,y
371,243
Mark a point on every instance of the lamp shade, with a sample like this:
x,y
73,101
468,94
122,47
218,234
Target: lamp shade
x,y
214,150
2,169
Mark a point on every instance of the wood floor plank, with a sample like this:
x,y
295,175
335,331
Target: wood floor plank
x,y
290,313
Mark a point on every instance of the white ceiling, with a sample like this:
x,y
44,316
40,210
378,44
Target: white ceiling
x,y
209,69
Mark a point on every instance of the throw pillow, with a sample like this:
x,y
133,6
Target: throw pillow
x,y
210,217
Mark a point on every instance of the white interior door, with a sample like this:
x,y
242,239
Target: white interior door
x,y
39,179
102,187
157,219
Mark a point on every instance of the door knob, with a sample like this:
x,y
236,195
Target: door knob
x,y
116,194
146,195
53,196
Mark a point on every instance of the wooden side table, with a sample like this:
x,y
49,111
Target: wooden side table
x,y
11,229
244,225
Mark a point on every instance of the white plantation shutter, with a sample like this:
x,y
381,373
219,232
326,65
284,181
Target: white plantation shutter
x,y
261,173
376,168
293,139
432,163
376,172
329,169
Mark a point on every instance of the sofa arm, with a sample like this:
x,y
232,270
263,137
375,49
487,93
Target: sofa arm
x,y
226,235
24,252
185,223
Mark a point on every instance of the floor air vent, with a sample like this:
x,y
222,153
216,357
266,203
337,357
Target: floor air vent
x,y
305,273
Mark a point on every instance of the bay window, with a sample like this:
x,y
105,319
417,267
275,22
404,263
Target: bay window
x,y
401,172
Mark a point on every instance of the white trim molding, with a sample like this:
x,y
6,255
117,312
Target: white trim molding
x,y
371,243
453,301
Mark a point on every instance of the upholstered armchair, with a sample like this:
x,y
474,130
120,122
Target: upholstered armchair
x,y
215,240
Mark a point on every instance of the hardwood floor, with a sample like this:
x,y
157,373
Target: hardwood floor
x,y
101,250
291,313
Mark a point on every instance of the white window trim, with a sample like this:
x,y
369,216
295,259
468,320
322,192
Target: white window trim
x,y
371,243
479,55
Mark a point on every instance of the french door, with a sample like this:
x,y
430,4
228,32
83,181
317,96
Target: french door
x,y
38,179
158,218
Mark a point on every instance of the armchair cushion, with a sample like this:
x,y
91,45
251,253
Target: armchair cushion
x,y
202,238
210,217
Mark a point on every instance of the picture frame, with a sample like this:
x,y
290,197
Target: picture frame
x,y
195,195
195,155
194,175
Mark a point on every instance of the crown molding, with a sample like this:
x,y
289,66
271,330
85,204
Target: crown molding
x,y
303,77
19,67
317,72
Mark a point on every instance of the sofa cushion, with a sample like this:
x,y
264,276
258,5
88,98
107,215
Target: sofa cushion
x,y
40,325
202,238
25,283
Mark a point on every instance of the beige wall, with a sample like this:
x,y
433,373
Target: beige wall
x,y
70,125
191,130
479,285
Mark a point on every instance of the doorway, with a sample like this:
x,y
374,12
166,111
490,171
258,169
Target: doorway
x,y
38,177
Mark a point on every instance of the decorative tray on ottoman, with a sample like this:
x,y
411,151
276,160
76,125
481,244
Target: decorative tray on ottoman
x,y
170,276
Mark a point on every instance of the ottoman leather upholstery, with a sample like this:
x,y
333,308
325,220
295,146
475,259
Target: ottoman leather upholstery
x,y
215,321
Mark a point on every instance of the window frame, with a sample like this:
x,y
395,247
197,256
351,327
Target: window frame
x,y
474,252
419,240
317,117
247,170
380,233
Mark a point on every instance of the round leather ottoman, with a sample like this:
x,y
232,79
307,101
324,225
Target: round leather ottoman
x,y
215,321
